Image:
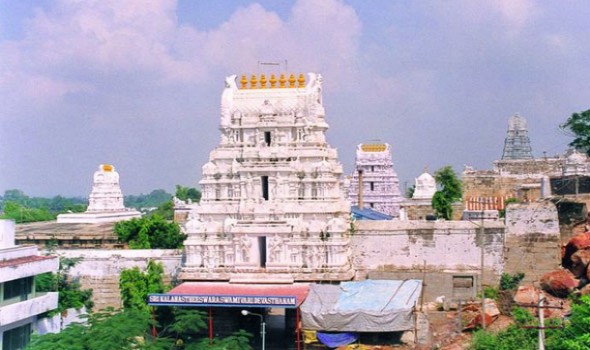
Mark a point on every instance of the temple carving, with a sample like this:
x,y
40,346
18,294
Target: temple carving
x,y
272,206
376,179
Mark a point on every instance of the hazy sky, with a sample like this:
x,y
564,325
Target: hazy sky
x,y
137,83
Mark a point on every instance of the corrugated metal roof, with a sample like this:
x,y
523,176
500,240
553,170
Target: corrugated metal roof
x,y
368,214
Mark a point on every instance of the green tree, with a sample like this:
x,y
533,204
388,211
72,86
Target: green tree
x,y
71,295
450,192
578,126
135,286
106,330
151,232
410,191
574,336
21,214
513,337
164,210
186,193
151,200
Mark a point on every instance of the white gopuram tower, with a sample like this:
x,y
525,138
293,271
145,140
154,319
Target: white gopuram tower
x,y
272,206
105,203
380,185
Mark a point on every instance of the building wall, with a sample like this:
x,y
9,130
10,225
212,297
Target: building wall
x,y
532,240
20,304
99,269
445,254
427,246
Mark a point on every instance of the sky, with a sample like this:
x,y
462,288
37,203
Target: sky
x,y
137,83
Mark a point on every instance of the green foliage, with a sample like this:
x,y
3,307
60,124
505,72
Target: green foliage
x,y
22,214
71,295
164,210
22,208
410,191
450,192
442,206
578,125
510,282
502,212
491,293
186,193
136,285
106,330
572,336
238,341
575,335
513,337
151,200
151,232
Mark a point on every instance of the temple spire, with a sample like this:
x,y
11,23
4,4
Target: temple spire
x,y
517,144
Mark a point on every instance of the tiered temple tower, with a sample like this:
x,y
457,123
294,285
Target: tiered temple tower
x,y
273,207
380,185
105,202
517,144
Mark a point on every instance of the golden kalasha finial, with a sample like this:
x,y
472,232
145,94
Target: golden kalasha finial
x,y
273,81
301,80
263,81
292,80
282,81
253,81
244,82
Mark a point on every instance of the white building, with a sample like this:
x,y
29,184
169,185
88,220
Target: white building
x,y
380,185
20,305
273,206
105,203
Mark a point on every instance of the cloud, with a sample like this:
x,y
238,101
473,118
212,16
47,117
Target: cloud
x,y
122,81
71,44
516,13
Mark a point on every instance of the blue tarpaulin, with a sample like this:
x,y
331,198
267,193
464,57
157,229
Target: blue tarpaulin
x,y
364,306
334,340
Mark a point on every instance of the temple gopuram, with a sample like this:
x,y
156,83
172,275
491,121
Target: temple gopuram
x,y
374,182
273,208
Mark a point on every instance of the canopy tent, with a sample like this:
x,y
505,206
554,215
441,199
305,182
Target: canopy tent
x,y
366,306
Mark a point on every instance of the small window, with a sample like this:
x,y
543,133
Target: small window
x,y
301,191
17,338
372,184
267,138
264,180
18,288
463,287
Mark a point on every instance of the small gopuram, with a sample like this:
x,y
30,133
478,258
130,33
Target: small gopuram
x,y
419,206
517,144
105,203
516,175
273,207
424,187
374,182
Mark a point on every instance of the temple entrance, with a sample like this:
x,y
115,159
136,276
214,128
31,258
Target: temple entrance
x,y
270,312
262,251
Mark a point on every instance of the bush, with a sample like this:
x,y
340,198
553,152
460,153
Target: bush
x,y
152,232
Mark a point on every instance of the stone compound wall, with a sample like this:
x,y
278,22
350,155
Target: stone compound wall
x,y
532,240
99,269
446,254
488,184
